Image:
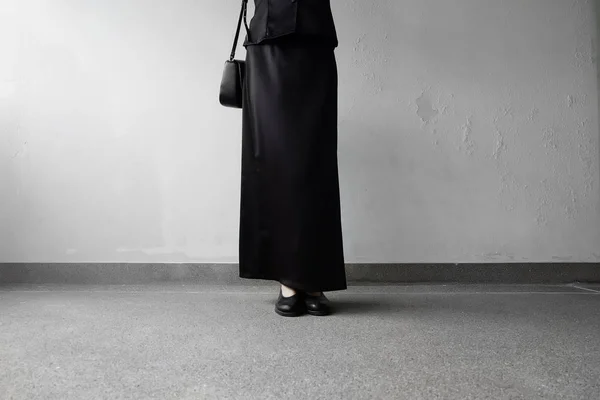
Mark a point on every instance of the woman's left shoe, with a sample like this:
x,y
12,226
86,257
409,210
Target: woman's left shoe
x,y
317,305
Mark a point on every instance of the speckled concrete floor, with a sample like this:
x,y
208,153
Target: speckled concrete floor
x,y
226,342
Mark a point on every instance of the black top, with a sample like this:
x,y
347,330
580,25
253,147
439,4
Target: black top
x,y
277,18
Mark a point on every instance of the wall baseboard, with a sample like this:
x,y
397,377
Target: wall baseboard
x,y
141,273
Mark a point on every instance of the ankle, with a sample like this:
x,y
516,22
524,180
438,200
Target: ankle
x,y
287,291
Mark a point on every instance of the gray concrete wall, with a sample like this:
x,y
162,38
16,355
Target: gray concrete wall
x,y
468,131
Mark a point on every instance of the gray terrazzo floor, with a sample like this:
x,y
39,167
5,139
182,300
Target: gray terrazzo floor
x,y
176,341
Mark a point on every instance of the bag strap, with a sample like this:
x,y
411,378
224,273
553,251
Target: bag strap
x,y
243,13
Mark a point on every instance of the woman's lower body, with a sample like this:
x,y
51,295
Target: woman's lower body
x,y
290,215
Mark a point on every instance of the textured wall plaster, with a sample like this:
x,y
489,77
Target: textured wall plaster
x,y
468,131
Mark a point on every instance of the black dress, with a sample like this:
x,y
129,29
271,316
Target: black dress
x,y
290,216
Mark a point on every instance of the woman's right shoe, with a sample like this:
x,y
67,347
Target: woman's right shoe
x,y
293,306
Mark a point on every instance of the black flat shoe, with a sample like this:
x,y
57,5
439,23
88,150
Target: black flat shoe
x,y
290,306
317,305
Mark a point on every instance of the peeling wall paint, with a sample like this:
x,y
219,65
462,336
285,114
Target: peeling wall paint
x,y
491,111
468,131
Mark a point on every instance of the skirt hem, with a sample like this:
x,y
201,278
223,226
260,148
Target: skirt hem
x,y
298,285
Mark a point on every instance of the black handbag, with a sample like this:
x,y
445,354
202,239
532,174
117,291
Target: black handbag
x,y
232,83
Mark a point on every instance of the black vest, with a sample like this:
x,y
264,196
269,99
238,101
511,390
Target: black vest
x,y
276,18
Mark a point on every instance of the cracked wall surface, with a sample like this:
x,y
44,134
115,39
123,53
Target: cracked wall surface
x,y
468,131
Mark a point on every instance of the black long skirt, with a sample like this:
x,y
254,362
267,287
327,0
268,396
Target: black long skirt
x,y
290,214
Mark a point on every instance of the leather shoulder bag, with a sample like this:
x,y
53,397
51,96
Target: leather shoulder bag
x,y
232,82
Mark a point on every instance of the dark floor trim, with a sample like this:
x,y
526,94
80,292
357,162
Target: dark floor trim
x,y
134,273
